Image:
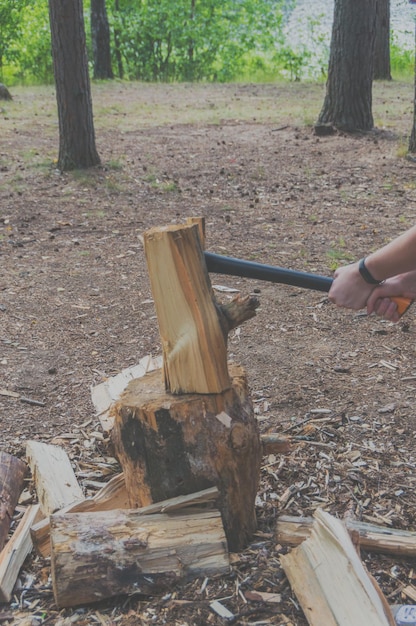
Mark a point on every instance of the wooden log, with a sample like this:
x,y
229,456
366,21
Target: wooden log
x,y
15,552
112,496
193,328
170,445
273,443
56,483
12,475
99,555
293,530
331,582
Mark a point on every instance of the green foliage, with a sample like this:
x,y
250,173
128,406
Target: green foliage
x,y
35,59
402,61
11,12
185,40
194,39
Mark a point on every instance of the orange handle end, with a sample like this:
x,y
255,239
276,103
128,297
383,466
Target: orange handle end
x,y
402,304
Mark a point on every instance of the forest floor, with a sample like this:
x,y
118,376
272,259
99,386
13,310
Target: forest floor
x,y
76,308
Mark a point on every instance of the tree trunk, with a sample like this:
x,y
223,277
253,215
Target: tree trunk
x,y
100,35
170,445
117,43
382,69
76,128
98,555
412,140
348,101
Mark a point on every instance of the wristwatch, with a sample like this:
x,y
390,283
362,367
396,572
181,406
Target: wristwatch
x,y
368,277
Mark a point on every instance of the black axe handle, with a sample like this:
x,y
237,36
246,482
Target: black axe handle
x,y
248,269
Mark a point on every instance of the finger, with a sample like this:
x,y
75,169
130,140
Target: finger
x,y
382,306
388,310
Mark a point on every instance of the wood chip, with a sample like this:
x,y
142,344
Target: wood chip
x,y
221,610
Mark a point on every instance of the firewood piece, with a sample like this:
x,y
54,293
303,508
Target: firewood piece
x,y
55,481
112,496
12,475
331,582
169,445
275,444
200,222
194,343
99,555
239,310
293,530
15,552
106,393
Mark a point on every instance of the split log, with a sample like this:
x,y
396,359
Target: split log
x,y
193,327
12,475
293,530
14,554
99,555
56,483
170,445
112,496
330,581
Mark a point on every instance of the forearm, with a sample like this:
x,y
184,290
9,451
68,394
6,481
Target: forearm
x,y
397,257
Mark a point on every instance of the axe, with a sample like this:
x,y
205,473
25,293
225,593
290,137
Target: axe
x,y
219,264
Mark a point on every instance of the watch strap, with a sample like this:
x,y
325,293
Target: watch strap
x,y
366,274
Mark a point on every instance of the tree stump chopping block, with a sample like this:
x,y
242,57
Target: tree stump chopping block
x,y
171,445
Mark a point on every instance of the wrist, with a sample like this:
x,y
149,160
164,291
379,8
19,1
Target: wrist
x,y
366,274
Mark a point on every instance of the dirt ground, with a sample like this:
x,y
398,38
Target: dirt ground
x,y
76,308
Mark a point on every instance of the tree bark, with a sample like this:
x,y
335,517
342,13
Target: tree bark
x,y
170,445
412,140
73,93
117,42
382,69
100,35
98,555
348,101
12,475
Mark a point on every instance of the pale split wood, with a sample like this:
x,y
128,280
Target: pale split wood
x,y
194,344
55,481
15,552
12,475
99,555
200,222
109,391
293,530
330,580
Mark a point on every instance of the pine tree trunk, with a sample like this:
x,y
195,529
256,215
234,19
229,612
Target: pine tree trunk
x,y
76,128
382,69
348,101
100,35
412,140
